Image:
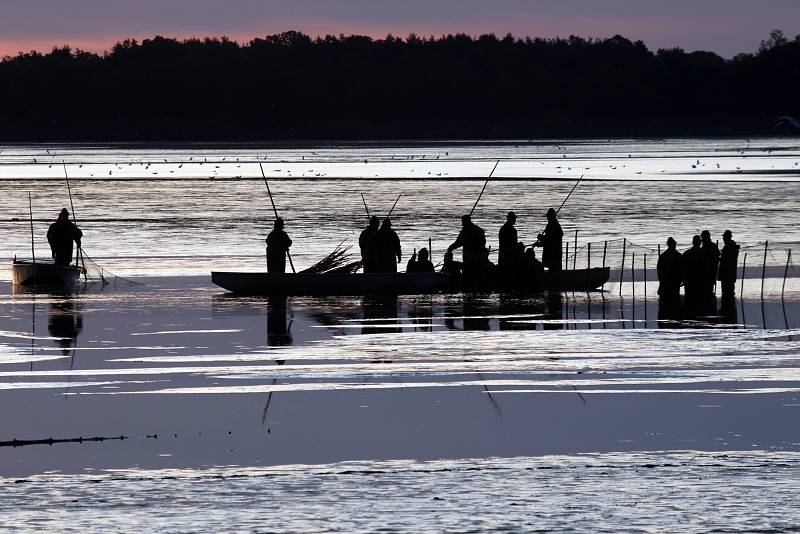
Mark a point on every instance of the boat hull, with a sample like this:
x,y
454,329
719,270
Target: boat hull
x,y
384,283
41,274
579,279
332,284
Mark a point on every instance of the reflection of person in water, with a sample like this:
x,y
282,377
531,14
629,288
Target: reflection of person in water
x,y
554,311
379,310
65,322
278,332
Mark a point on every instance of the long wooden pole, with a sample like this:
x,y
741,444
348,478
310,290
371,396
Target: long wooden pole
x,y
393,205
569,195
78,253
275,210
622,269
364,200
484,188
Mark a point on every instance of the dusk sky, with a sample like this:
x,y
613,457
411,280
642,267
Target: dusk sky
x,y
723,26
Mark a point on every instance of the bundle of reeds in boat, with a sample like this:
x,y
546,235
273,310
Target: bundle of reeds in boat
x,y
338,261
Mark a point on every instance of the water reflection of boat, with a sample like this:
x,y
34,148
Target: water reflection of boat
x,y
44,274
379,283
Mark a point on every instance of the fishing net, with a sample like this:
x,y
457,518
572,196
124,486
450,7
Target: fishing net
x,y
763,267
94,272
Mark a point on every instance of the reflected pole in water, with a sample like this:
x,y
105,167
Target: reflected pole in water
x,y
744,270
786,271
764,269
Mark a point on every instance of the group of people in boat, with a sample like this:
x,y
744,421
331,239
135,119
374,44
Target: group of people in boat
x,y
381,251
698,269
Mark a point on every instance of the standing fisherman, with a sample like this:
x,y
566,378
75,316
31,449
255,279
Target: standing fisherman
x,y
365,243
473,240
278,244
507,259
711,254
727,265
694,267
60,235
670,273
550,241
385,248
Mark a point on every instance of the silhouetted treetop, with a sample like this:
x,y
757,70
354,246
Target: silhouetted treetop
x,y
290,85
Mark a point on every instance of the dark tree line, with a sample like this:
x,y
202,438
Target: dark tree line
x,y
289,86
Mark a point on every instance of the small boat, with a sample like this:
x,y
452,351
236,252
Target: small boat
x,y
380,283
333,284
581,279
44,274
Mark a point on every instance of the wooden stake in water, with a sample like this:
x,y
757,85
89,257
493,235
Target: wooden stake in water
x,y
764,268
786,271
644,278
744,267
622,269
575,257
588,263
633,274
33,248
566,258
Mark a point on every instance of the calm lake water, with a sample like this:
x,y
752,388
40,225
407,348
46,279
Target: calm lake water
x,y
464,413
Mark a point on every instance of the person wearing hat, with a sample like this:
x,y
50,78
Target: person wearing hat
x,y
60,235
670,272
385,248
711,254
507,256
278,244
551,242
727,265
365,243
694,270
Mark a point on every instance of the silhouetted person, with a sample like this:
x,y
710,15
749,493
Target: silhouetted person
x,y
694,273
450,266
670,272
534,270
711,254
386,248
728,261
507,255
365,243
473,240
419,263
278,244
60,235
550,241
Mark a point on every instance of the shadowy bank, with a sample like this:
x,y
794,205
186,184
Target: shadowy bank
x,y
290,86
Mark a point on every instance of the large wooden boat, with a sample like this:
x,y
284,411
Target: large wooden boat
x,y
44,274
383,283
